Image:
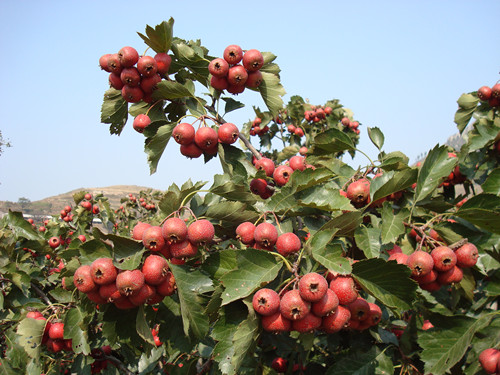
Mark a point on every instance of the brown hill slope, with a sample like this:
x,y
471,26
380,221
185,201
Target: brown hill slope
x,y
52,205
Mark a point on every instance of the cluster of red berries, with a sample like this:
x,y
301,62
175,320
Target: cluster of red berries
x,y
103,283
87,204
490,95
358,192
281,174
265,237
66,214
297,130
174,239
135,82
256,129
322,304
205,140
317,113
348,124
154,332
100,362
228,74
455,177
442,266
53,334
489,359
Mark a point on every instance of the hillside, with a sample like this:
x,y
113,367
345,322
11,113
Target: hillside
x,y
52,205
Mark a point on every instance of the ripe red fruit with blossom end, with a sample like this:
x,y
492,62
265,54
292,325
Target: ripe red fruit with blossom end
x,y
218,67
86,205
103,271
35,315
83,279
110,292
266,302
129,282
115,81
205,138
427,325
312,287
374,315
327,304
282,174
291,128
56,331
360,309
307,324
128,57
174,230
345,289
155,269
420,263
253,60
444,258
359,192
265,164
219,83
345,121
123,304
191,150
266,234
245,232
276,323
228,133
288,243
431,287
298,163
114,65
141,122
139,229
395,249
103,62
279,364
354,125
303,150
489,360
130,77
184,133
184,249
95,297
147,66
143,295
132,94
233,54
258,186
237,76
427,278
148,84
495,91
484,93
201,232
467,255
336,321
494,102
299,132
167,287
452,276
163,61
152,238
293,307
254,79
236,89
54,242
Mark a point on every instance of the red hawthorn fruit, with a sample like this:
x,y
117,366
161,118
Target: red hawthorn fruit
x,y
444,258
113,64
420,263
54,242
312,287
148,84
143,295
237,77
253,60
35,315
95,297
184,133
139,229
218,67
266,235
266,302
359,308
374,315
327,304
489,360
336,321
427,278
155,269
228,133
167,287
132,94
233,54
174,230
152,238
191,150
427,325
83,279
495,91
395,249
103,62
291,128
467,255
265,164
303,151
123,304
484,93
345,289
130,77
201,232
219,83
163,61
109,292
147,66
129,282
309,323
288,243
128,57
279,364
276,323
205,138
115,81
141,122
431,287
452,276
293,307
298,162
56,331
254,79
245,232
282,174
184,249
359,192
299,132
103,271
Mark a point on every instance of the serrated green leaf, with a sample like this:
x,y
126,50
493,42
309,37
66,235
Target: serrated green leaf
x,y
244,339
484,133
127,253
388,282
324,197
368,240
376,136
93,249
21,228
436,167
393,161
30,333
142,327
191,56
159,38
271,91
73,324
225,187
255,269
392,223
332,141
232,105
172,90
114,111
329,254
468,104
356,362
155,146
233,212
482,210
392,182
492,183
173,197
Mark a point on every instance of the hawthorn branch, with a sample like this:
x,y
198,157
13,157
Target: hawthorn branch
x,y
119,364
44,297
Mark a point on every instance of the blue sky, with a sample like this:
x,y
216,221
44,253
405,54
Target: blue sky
x,y
398,65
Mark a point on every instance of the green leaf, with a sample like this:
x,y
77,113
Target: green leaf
x,y
93,249
329,253
392,182
392,223
482,210
30,333
220,263
142,326
332,141
492,183
233,212
114,111
171,90
436,167
190,285
388,282
173,197
127,253
376,136
155,146
73,324
271,91
468,104
358,363
255,269
159,38
20,226
192,56
225,187
324,197
232,105
484,132
244,339
368,240
447,343
393,161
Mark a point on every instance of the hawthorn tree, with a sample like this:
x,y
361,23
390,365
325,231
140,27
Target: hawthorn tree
x,y
284,263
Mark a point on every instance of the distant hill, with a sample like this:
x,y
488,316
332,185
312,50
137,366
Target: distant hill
x,y
52,205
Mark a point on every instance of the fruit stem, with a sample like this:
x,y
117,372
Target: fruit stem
x,y
361,152
190,195
288,266
151,107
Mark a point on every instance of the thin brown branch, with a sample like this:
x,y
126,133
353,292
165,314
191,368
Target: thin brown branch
x,y
44,297
119,364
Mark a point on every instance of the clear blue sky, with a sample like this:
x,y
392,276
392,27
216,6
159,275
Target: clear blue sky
x,y
399,65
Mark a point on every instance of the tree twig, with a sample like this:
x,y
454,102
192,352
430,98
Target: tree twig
x,y
119,364
44,297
